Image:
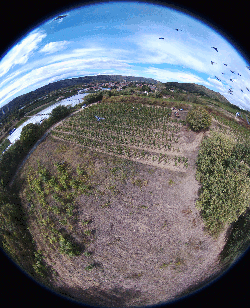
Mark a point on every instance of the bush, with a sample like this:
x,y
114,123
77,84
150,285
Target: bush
x,y
59,113
29,134
225,192
68,248
93,98
10,160
198,118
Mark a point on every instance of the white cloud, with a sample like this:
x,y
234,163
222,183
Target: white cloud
x,y
171,51
54,46
20,53
57,71
216,82
167,76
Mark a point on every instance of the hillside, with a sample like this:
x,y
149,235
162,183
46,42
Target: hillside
x,y
20,101
197,89
112,202
112,209
30,97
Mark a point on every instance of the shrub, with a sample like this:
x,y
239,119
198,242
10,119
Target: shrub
x,y
68,248
39,266
225,192
59,113
93,98
198,118
30,134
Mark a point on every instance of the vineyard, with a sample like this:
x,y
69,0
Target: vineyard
x,y
135,131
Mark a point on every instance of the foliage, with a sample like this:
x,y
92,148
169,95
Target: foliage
x,y
59,113
39,265
146,88
10,160
198,118
93,98
4,145
68,247
238,240
130,128
29,134
224,176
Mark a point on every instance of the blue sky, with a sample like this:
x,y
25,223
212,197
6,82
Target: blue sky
x,y
123,38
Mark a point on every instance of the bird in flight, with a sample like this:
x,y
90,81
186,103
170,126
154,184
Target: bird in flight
x,y
178,30
225,64
247,89
215,48
239,74
212,62
241,90
223,73
232,71
60,17
231,80
161,38
217,78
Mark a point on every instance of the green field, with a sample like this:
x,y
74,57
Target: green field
x,y
128,129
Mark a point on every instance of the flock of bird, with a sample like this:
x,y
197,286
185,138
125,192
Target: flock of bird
x,y
233,72
212,62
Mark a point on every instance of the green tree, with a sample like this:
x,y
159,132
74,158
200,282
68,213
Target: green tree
x,y
59,113
30,134
146,88
93,98
198,118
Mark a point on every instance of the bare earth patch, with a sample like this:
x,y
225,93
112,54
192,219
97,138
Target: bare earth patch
x,y
148,242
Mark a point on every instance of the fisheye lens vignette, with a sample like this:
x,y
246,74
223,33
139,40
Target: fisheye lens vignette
x,y
46,50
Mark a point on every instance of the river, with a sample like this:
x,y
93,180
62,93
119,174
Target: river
x,y
44,114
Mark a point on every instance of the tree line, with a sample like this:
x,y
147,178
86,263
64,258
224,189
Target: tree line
x,y
29,135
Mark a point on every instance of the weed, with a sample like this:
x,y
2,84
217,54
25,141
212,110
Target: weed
x,y
87,253
63,221
165,265
106,204
89,267
86,222
171,182
179,261
87,232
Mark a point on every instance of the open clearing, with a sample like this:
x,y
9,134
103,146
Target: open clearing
x,y
141,238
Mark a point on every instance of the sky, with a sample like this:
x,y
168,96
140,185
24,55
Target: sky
x,y
122,38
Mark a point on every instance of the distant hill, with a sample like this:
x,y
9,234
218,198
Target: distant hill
x,y
24,99
197,89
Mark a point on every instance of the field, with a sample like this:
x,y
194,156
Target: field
x,y
146,133
110,205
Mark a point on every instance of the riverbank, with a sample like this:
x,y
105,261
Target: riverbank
x,y
45,113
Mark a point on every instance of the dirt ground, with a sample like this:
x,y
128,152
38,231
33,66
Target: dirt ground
x,y
149,244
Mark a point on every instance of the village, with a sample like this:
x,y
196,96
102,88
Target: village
x,y
107,86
